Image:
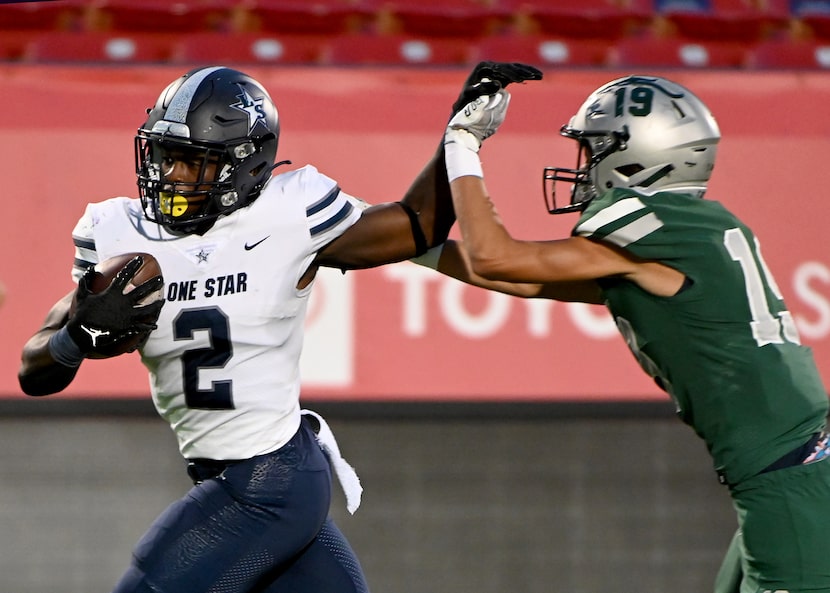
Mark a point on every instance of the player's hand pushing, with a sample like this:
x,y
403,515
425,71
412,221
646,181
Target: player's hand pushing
x,y
478,112
488,78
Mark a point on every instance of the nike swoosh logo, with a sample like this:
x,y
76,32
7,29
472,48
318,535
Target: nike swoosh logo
x,y
252,245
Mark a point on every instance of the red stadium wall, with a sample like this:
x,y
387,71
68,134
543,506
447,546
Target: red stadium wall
x,y
403,332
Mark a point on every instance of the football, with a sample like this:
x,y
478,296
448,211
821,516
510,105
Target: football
x,y
105,273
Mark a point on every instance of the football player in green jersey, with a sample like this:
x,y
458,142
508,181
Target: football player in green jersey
x,y
691,295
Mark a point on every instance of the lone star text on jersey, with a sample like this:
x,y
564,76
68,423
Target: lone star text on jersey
x,y
188,290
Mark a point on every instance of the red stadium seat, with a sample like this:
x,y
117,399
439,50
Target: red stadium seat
x,y
306,16
396,50
13,45
800,7
790,55
244,48
99,47
541,50
654,52
817,24
159,15
743,20
41,16
585,18
463,18
814,14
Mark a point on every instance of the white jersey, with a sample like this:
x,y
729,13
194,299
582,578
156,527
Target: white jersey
x,y
224,361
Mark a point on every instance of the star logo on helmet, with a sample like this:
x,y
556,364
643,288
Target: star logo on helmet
x,y
253,107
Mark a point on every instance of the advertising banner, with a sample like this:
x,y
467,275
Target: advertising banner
x,y
403,332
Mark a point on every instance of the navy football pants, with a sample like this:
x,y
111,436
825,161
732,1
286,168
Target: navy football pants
x,y
259,527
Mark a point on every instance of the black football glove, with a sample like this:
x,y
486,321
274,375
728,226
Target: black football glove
x,y
103,319
488,77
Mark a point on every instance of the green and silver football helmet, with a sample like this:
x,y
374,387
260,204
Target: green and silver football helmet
x,y
640,132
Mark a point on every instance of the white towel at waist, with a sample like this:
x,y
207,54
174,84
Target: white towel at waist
x,y
345,473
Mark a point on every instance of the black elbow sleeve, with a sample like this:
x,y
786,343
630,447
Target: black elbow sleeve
x,y
418,236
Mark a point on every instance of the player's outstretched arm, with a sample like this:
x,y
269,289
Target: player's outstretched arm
x,y
429,196
397,231
452,259
422,219
496,256
491,252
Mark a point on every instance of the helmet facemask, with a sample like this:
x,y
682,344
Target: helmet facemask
x,y
593,147
222,176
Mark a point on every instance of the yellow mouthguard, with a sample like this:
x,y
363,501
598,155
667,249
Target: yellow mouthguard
x,y
172,204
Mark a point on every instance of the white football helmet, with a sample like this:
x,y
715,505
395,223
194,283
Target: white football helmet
x,y
640,132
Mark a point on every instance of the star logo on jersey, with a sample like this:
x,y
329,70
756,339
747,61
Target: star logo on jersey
x,y
202,256
253,107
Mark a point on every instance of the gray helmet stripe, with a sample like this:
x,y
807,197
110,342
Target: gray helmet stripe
x,y
180,105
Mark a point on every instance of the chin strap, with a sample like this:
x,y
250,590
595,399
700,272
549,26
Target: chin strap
x,y
281,163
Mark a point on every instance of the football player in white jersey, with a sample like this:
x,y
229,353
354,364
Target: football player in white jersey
x,y
239,249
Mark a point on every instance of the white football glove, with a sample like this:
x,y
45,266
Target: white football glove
x,y
482,116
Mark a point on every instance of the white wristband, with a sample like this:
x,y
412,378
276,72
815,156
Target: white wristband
x,y
430,258
461,155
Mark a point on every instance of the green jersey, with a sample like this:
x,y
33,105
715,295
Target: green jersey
x,y
725,348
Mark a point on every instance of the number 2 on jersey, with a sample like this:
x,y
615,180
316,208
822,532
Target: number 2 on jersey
x,y
215,322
